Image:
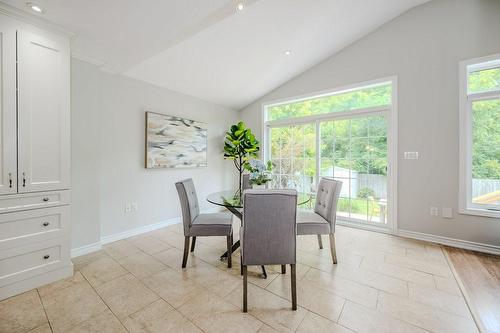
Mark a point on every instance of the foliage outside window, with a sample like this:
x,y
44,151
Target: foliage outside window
x,y
352,150
378,95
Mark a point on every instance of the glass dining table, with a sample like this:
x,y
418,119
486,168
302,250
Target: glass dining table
x,y
233,202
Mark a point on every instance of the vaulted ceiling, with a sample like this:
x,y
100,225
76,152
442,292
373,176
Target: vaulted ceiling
x,y
208,48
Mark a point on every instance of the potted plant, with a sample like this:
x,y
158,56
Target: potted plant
x,y
240,145
260,173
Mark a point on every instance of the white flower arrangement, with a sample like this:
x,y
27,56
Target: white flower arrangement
x,y
260,173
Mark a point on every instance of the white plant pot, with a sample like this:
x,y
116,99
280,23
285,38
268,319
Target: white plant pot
x,y
259,187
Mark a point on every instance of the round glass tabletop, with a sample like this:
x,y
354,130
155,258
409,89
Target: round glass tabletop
x,y
233,199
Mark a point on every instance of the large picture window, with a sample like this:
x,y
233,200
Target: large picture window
x,y
342,135
480,136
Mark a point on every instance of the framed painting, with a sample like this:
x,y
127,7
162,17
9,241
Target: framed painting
x,y
175,142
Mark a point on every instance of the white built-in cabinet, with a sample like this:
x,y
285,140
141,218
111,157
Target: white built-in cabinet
x,y
43,113
34,157
8,142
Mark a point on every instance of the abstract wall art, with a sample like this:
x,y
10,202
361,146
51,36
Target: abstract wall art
x,y
175,142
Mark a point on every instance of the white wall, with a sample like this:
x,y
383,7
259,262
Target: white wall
x,y
423,48
108,136
85,152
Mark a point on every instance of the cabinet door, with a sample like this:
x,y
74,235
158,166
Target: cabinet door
x,y
8,151
43,113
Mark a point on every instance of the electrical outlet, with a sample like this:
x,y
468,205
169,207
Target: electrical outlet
x,y
447,212
128,208
135,207
434,211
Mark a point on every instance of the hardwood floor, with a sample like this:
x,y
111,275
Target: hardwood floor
x,y
479,275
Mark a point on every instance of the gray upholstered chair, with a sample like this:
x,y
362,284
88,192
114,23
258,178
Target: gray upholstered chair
x,y
321,221
196,224
268,234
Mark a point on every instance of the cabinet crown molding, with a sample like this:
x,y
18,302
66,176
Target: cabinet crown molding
x,y
39,22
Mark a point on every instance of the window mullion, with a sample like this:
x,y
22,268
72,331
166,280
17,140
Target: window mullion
x,y
318,152
486,95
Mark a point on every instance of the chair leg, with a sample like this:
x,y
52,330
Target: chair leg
x,y
332,248
320,242
186,251
283,269
229,249
192,244
294,287
245,283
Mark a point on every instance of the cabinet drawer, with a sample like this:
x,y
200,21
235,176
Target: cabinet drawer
x,y
21,228
33,259
16,202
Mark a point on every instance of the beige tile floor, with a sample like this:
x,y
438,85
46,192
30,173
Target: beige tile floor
x,y
381,283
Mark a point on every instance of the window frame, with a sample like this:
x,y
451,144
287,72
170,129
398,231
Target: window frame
x,y
466,206
390,111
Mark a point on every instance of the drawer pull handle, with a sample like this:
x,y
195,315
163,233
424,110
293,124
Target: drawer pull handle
x,y
46,257
24,179
45,199
45,224
10,180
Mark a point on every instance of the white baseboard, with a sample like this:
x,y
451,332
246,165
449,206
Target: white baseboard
x,y
138,231
86,249
368,227
89,248
463,244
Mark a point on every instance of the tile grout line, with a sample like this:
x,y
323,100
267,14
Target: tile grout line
x,y
340,315
163,299
438,309
81,322
341,312
397,278
109,308
140,280
309,310
304,318
444,310
44,310
396,318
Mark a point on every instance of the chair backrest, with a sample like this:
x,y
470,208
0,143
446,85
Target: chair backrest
x,y
269,231
246,182
327,197
189,203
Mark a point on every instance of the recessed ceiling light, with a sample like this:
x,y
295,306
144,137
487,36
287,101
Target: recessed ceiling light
x,y
34,7
288,52
240,6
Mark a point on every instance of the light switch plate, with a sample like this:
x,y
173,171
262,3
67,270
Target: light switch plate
x,y
411,155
